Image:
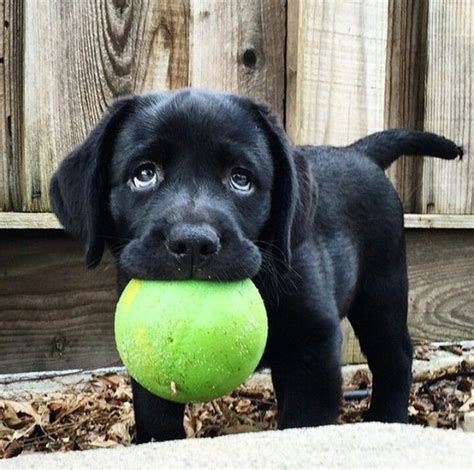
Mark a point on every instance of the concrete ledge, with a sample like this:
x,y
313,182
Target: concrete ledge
x,y
365,445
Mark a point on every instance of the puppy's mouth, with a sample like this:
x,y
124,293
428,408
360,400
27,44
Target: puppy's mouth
x,y
144,259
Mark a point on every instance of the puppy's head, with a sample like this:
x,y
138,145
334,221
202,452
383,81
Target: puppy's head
x,y
183,184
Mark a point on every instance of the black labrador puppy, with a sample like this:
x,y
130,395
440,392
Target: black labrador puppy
x,y
205,185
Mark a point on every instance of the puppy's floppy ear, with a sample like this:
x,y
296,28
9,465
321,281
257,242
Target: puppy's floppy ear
x,y
279,228
78,188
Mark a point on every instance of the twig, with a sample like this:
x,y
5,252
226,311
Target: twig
x,y
425,388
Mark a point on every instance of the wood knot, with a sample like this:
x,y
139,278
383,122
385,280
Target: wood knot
x,y
121,5
249,58
59,344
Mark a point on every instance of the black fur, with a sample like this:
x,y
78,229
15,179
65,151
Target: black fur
x,y
320,234
385,147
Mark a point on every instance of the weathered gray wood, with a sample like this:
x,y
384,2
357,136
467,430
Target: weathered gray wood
x,y
441,273
239,46
448,187
405,89
64,62
4,196
351,352
53,313
441,296
79,56
336,76
439,221
28,220
46,220
11,99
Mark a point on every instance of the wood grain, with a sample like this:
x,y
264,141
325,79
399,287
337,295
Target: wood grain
x,y
336,78
351,352
79,56
405,89
448,187
441,273
441,296
11,111
239,46
439,221
46,220
28,220
292,55
53,313
4,196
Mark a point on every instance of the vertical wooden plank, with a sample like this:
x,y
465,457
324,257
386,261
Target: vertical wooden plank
x,y
79,56
4,197
336,80
405,89
292,42
11,119
163,49
351,352
336,87
239,46
448,187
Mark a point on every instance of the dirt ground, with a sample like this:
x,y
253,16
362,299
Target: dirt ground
x,y
99,412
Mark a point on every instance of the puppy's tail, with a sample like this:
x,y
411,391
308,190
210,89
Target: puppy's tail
x,y
385,147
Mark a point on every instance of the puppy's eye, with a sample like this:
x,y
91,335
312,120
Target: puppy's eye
x,y
145,176
241,179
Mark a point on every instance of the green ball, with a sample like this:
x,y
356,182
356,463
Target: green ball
x,y
190,340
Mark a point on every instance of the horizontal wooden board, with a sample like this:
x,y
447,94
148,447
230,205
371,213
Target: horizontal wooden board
x,y
56,315
439,221
441,273
28,220
441,297
45,220
53,313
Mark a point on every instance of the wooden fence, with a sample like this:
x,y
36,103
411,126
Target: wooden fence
x,y
334,70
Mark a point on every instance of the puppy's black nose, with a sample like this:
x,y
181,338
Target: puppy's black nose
x,y
194,241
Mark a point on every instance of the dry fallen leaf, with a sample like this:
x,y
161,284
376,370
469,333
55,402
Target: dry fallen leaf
x,y
423,352
119,431
99,413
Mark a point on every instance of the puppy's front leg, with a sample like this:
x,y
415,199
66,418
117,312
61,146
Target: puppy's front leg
x,y
308,382
156,419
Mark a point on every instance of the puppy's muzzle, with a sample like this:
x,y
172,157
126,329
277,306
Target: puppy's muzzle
x,y
193,244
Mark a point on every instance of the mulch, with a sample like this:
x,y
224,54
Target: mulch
x,y
99,412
